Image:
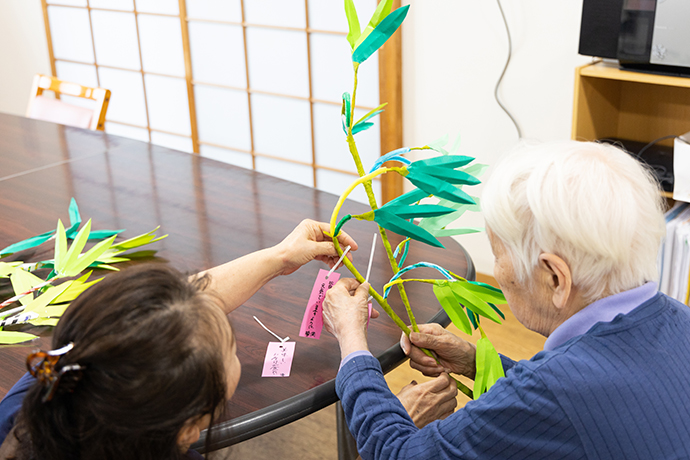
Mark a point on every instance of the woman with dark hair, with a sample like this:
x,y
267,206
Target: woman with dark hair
x,y
144,360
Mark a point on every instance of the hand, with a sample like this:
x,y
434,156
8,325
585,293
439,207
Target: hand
x,y
345,314
308,242
455,354
429,401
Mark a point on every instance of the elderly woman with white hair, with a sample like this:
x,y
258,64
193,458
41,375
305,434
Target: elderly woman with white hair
x,y
575,228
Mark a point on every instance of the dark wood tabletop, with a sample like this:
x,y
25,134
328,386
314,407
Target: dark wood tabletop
x,y
213,212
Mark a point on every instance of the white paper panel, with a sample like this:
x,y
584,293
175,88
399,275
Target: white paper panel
x,y
158,6
278,61
336,183
217,54
222,116
125,5
71,34
67,2
115,37
331,144
284,170
330,15
161,44
171,141
168,104
282,127
219,10
288,13
131,132
226,156
127,99
332,73
77,73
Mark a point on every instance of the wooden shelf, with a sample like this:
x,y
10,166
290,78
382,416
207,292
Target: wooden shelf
x,y
610,102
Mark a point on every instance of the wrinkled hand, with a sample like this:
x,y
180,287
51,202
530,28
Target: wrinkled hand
x,y
345,314
429,401
455,354
307,242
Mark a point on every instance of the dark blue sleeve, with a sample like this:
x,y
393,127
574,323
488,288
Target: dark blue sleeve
x,y
518,419
507,363
11,403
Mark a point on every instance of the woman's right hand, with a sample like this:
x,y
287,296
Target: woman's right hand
x,y
455,355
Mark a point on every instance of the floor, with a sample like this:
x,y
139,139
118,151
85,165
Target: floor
x,y
314,437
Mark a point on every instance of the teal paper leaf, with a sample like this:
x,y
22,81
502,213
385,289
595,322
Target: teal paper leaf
x,y
347,107
439,188
454,231
418,210
409,197
380,34
27,243
361,127
402,227
447,174
383,9
447,161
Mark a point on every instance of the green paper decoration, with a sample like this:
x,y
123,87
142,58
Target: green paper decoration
x,y
446,297
353,23
489,367
400,226
435,186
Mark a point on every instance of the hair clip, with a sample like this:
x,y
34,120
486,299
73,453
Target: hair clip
x,y
41,365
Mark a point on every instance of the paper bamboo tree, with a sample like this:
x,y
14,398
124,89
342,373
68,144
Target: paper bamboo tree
x,y
442,177
43,301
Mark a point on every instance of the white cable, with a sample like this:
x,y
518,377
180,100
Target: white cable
x,y
338,262
271,332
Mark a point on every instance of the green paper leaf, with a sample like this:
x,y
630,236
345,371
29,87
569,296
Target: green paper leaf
x,y
455,312
27,243
56,311
88,257
44,321
418,210
361,127
405,228
10,337
137,241
455,231
78,286
383,9
40,303
437,223
372,113
380,34
437,187
473,302
438,144
353,23
7,268
477,169
448,161
60,247
489,367
456,145
497,310
485,292
75,249
409,197
23,281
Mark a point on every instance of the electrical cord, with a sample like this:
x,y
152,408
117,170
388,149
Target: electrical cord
x,y
663,138
498,83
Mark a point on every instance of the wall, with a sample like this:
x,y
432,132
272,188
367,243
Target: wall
x,y
23,52
454,52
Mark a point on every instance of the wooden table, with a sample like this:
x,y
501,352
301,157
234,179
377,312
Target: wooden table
x,y
213,212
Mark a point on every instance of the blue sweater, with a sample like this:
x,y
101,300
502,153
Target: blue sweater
x,y
619,391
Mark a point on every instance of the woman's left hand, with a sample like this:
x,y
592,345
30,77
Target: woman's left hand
x,y
308,241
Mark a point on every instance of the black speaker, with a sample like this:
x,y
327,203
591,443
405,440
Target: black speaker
x,y
601,24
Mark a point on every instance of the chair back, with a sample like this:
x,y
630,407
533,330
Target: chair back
x,y
57,111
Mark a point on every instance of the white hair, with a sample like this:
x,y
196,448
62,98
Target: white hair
x,y
591,204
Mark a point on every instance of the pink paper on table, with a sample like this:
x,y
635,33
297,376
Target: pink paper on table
x,y
278,360
312,323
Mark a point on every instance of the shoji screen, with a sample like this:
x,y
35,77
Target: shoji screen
x,y
256,83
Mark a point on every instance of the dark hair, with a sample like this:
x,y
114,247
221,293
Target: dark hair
x,y
147,339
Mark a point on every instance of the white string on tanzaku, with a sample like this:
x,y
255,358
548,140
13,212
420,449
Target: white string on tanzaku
x,y
371,259
271,332
338,262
